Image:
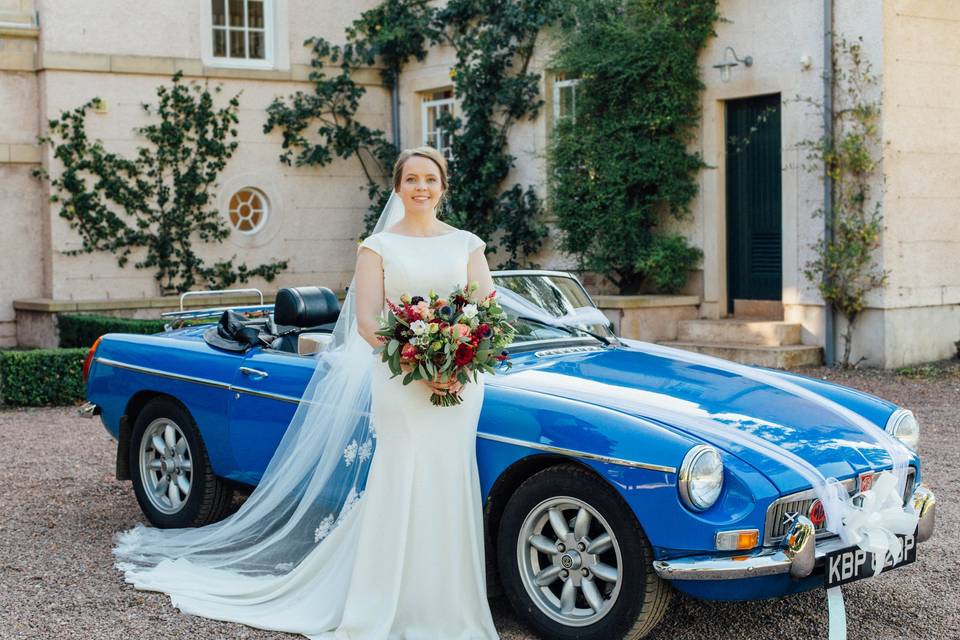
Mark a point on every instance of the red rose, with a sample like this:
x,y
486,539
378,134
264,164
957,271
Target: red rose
x,y
463,355
483,330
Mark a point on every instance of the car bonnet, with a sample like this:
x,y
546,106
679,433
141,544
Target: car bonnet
x,y
695,398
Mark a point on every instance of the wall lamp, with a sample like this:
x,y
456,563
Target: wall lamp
x,y
727,63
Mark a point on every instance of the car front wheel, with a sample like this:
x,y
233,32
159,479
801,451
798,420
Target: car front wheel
x,y
171,474
574,561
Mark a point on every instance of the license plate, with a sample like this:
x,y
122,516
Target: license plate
x,y
847,565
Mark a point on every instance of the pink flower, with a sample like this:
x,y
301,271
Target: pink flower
x,y
408,351
426,313
461,329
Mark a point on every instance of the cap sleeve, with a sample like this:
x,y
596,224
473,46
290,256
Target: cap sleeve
x,y
474,242
372,243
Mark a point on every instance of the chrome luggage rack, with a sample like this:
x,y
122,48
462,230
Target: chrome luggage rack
x,y
252,310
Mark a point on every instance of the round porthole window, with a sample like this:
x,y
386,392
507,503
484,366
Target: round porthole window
x,y
248,210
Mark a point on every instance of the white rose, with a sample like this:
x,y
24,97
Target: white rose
x,y
420,327
469,311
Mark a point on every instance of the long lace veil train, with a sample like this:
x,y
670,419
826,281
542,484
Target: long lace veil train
x,y
316,475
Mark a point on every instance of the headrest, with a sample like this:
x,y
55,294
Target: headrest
x,y
305,306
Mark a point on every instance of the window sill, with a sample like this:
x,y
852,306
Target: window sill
x,y
238,63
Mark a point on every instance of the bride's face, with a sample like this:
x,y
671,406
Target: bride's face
x,y
420,185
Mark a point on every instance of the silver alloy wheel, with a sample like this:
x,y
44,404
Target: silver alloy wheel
x,y
166,465
569,561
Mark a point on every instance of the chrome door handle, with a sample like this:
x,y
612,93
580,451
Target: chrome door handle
x,y
256,373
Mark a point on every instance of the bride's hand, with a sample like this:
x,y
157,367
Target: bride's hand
x,y
440,388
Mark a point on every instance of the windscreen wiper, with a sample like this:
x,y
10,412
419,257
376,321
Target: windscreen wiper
x,y
573,331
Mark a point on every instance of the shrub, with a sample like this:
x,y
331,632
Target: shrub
x,y
622,164
667,262
83,330
41,377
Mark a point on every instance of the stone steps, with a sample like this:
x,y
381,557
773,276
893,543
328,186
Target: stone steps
x,y
766,343
785,356
769,333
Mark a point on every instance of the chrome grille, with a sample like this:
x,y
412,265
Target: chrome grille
x,y
779,512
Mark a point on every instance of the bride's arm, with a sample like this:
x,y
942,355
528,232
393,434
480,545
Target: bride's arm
x,y
478,269
369,293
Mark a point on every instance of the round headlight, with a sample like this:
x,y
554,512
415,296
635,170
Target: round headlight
x,y
701,477
903,426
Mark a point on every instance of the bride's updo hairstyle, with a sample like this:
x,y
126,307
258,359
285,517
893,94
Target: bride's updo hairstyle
x,y
424,152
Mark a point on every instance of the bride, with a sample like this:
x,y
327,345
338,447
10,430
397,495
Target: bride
x,y
367,523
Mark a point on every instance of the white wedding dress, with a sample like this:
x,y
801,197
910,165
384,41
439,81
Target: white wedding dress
x,y
406,562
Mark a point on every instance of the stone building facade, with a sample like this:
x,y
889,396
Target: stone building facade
x,y
56,55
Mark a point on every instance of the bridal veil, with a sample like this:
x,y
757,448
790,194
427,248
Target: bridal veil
x,y
307,488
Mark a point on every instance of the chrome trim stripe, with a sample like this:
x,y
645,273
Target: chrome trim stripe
x,y
194,379
533,272
163,374
576,454
547,341
264,394
489,436
565,350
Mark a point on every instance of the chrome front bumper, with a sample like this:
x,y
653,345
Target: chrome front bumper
x,y
798,556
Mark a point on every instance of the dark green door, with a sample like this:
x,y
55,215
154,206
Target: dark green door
x,y
754,235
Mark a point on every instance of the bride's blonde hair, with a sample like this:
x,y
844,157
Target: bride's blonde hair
x,y
424,152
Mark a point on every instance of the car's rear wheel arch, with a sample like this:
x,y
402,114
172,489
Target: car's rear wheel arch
x,y
208,497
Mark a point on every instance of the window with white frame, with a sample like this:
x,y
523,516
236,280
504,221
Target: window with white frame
x,y
242,30
565,97
433,105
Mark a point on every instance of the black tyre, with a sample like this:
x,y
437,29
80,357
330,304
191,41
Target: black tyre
x,y
574,561
171,473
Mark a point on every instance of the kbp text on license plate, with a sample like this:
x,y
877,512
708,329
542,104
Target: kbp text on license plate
x,y
847,565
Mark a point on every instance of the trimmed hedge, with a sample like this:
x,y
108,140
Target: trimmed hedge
x,y
38,377
78,330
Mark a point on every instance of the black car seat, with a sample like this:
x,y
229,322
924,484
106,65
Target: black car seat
x,y
300,309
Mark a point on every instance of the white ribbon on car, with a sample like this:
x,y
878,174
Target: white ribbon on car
x,y
872,519
876,521
584,315
574,318
836,614
869,520
873,524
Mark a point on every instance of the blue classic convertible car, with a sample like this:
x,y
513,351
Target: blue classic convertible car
x,y
609,467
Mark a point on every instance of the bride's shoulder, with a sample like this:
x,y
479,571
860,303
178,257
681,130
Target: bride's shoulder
x,y
474,241
374,242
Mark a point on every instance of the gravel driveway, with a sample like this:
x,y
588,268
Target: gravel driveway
x,y
61,505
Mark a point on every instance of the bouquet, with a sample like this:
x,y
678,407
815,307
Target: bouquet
x,y
443,339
